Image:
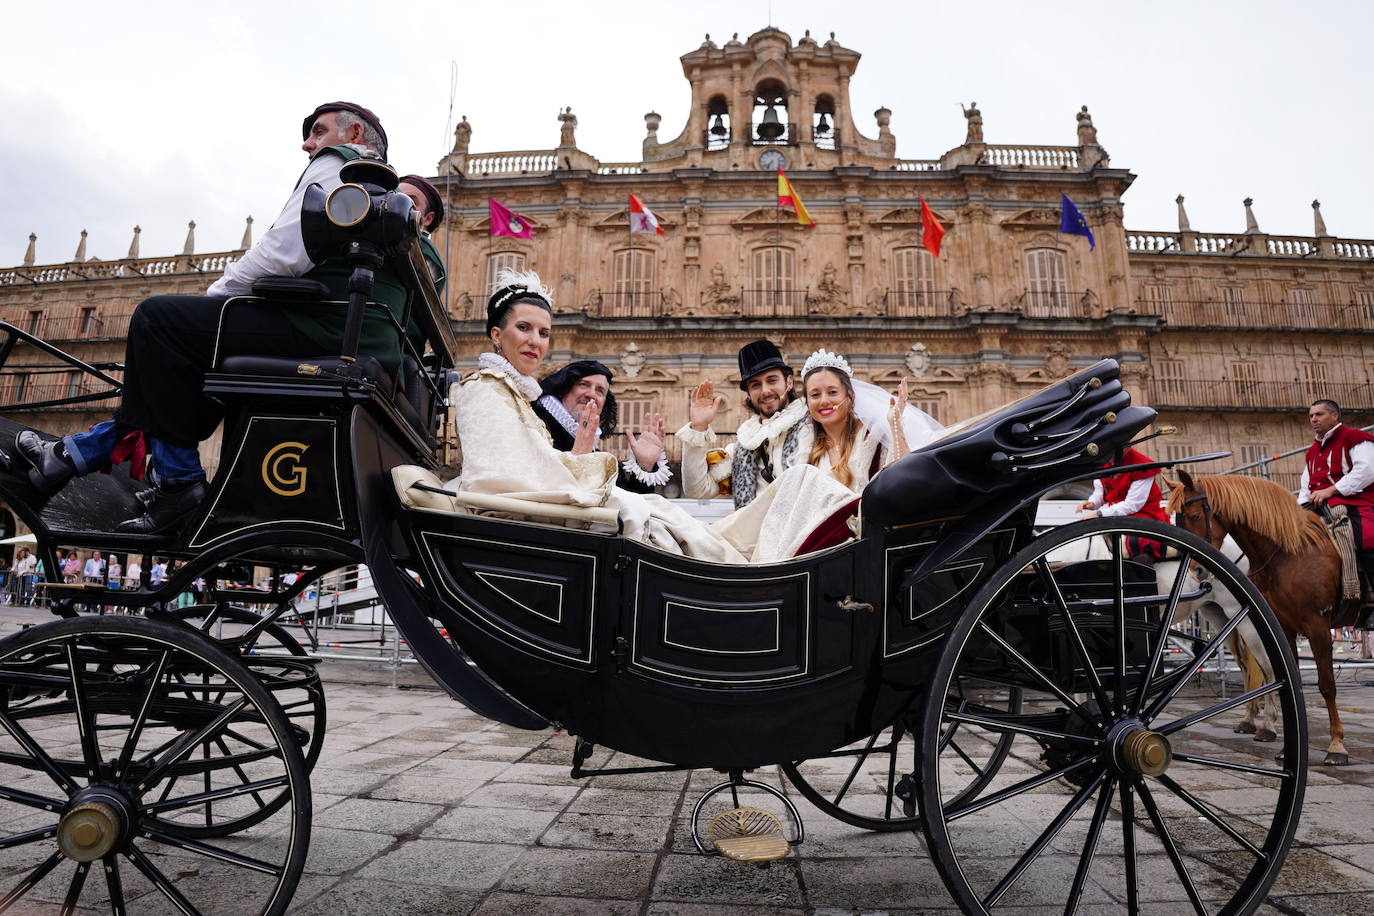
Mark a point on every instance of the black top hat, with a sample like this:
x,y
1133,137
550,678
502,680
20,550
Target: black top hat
x,y
757,357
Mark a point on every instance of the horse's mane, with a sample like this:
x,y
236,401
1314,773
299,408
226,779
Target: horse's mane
x,y
1261,505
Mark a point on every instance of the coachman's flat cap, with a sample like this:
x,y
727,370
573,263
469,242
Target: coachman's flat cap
x,y
364,113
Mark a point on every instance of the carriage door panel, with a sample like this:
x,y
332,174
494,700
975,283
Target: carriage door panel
x,y
734,626
539,598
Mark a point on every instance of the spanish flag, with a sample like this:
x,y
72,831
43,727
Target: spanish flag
x,y
790,199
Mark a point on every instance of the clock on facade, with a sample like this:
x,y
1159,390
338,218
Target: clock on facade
x,y
772,160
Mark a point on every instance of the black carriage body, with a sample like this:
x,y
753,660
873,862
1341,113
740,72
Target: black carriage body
x,y
693,663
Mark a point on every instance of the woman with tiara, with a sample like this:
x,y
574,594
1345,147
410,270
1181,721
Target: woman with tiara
x,y
854,430
506,448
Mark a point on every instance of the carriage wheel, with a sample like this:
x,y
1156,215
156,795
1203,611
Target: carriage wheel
x,y
1120,784
872,784
114,731
294,681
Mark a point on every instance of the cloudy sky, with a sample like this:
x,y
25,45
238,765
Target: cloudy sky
x,y
158,113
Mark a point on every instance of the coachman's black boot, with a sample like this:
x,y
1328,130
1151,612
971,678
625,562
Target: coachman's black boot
x,y
171,505
50,467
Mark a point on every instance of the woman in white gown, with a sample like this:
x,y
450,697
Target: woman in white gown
x,y
505,449
855,429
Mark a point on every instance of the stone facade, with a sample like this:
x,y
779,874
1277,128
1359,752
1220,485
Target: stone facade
x,y
1010,304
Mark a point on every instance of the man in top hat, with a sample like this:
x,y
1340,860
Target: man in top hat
x,y
568,392
172,341
765,444
1339,474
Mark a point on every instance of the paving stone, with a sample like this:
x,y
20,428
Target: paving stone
x,y
581,873
521,795
388,817
712,879
606,831
436,790
491,825
506,904
610,801
468,866
386,898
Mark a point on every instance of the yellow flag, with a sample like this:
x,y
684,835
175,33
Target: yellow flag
x,y
789,198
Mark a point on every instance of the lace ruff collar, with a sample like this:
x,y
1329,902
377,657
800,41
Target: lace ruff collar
x,y
526,385
755,431
560,413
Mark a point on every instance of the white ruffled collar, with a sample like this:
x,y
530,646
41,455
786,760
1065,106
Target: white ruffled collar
x,y
526,385
755,431
560,413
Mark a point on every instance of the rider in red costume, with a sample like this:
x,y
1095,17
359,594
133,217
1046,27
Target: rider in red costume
x,y
1131,493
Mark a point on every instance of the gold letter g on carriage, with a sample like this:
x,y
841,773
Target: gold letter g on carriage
x,y
282,471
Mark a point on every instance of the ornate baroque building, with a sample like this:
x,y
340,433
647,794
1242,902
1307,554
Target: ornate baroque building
x,y
1229,335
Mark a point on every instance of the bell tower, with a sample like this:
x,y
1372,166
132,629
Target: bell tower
x,y
762,94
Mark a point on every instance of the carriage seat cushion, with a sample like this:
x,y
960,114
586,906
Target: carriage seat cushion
x,y
290,367
834,530
297,289
404,479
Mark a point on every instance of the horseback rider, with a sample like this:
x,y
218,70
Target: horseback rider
x,y
1133,494
1338,483
766,443
173,340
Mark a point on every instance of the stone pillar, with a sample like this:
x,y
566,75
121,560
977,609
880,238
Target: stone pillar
x,y
1188,236
1258,241
133,245
1324,239
30,253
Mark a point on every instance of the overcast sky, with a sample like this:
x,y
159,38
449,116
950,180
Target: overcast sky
x,y
157,113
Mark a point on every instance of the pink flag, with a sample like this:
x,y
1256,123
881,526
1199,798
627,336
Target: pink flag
x,y
642,219
505,221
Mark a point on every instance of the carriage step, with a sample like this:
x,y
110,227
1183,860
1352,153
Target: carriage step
x,y
748,835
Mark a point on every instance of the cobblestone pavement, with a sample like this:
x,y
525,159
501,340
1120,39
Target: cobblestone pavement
x,y
422,807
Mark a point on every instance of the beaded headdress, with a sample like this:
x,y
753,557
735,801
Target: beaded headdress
x,y
824,359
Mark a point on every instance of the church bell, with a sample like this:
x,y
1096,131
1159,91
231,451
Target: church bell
x,y
770,128
718,128
822,126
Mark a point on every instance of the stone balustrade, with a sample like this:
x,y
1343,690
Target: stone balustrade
x,y
621,168
1284,246
1031,157
917,165
518,162
122,269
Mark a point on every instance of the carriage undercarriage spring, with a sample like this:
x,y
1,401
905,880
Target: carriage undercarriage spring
x,y
1049,721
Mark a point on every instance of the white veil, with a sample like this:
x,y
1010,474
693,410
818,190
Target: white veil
x,y
871,405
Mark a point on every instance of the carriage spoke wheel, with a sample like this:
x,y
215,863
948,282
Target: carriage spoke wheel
x,y
872,784
1121,785
114,733
282,665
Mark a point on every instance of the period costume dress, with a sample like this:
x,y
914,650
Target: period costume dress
x,y
506,450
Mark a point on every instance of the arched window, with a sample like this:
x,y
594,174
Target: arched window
x,y
823,123
913,282
774,288
1047,285
717,123
503,260
633,289
770,115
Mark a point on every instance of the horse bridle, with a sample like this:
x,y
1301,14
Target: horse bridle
x,y
1209,513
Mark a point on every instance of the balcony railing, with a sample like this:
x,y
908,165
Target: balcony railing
x,y
1289,315
1239,394
714,142
627,304
789,137
772,303
917,303
30,394
1055,303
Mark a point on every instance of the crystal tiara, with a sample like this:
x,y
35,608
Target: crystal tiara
x,y
824,359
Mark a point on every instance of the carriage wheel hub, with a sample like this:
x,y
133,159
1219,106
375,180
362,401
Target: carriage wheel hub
x,y
89,831
1146,752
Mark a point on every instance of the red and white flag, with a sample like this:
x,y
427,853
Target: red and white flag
x,y
642,219
505,221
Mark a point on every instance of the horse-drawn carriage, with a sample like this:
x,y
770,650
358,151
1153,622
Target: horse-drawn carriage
x,y
1045,722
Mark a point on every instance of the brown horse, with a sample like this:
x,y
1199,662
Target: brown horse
x,y
1293,563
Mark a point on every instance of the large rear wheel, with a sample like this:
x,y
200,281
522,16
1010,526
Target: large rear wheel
x,y
118,735
1123,782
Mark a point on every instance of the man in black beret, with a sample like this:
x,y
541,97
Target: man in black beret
x,y
173,339
430,205
766,442
586,381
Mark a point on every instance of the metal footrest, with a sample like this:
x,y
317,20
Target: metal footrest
x,y
748,835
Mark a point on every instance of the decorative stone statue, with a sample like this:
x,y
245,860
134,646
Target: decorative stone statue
x,y
829,293
631,360
718,296
1057,364
565,134
918,360
461,135
975,124
1087,134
